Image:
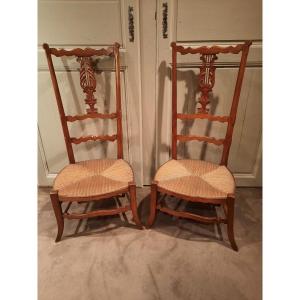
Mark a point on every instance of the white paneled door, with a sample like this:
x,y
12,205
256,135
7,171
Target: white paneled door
x,y
97,24
146,82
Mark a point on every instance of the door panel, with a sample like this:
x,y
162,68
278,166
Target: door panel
x,y
219,20
71,24
148,48
76,22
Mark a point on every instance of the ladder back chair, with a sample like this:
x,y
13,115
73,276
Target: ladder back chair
x,y
198,180
95,179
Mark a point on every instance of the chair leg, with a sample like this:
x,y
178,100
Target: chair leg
x,y
153,202
133,204
56,204
230,221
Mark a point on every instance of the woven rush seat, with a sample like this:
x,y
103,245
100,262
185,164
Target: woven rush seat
x,y
195,178
89,179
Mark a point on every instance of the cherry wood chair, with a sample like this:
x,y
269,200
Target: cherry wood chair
x,y
197,180
96,179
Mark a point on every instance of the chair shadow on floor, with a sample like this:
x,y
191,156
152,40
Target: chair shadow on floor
x,y
248,220
188,229
183,228
91,226
102,224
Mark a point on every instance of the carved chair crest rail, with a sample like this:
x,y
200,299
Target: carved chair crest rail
x,y
96,179
197,180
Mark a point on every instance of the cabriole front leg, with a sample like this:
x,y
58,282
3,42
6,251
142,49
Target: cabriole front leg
x,y
56,204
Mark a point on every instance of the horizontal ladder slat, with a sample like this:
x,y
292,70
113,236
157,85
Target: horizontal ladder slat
x,y
91,116
209,117
185,138
82,139
92,214
187,215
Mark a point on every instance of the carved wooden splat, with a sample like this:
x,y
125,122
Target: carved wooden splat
x,y
206,80
88,83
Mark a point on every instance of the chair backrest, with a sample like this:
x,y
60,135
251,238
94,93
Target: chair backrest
x,y
208,55
88,84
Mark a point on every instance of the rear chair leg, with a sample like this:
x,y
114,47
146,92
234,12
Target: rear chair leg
x,y
230,221
153,201
133,204
58,214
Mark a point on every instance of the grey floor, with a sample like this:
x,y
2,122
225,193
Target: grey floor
x,y
108,258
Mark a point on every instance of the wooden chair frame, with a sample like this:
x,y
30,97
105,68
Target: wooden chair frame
x,y
205,88
84,55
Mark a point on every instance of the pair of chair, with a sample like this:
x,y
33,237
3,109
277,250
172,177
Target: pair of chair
x,y
190,180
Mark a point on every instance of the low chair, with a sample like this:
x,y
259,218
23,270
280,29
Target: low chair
x,y
198,180
97,179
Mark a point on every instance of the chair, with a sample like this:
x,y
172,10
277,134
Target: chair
x,y
96,179
197,180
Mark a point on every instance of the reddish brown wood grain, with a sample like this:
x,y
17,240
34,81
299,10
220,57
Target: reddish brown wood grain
x,y
235,103
185,138
97,213
91,116
207,80
56,204
87,138
59,105
207,84
88,84
174,101
118,101
87,52
210,50
133,204
187,215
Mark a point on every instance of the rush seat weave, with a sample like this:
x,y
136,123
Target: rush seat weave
x,y
195,178
92,178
